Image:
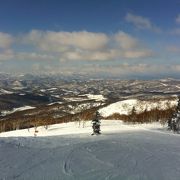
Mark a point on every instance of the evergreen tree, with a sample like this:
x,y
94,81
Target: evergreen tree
x,y
96,124
178,105
174,122
133,114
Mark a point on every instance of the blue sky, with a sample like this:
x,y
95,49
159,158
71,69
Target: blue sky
x,y
112,38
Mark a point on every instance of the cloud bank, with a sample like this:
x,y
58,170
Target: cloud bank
x,y
141,22
68,46
117,54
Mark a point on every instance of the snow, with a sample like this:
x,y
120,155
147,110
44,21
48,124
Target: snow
x,y
74,99
4,113
56,96
178,87
164,84
52,89
98,97
3,91
125,107
69,152
22,94
58,102
77,128
83,106
18,88
43,90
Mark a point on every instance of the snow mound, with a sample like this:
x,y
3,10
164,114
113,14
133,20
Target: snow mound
x,y
125,107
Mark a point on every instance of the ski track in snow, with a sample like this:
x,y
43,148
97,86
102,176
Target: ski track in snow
x,y
129,155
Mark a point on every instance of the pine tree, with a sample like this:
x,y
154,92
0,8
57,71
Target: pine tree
x,y
96,124
133,115
174,122
178,105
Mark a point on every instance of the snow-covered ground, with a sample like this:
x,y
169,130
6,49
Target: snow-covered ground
x,y
69,152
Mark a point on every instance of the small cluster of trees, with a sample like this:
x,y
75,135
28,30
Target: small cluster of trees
x,y
34,120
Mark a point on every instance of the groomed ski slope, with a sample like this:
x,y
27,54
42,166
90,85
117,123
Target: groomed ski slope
x,y
69,152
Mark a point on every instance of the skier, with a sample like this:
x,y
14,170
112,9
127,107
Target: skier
x,y
96,124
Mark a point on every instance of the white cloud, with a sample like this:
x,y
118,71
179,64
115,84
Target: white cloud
x,y
62,41
6,54
82,45
9,54
5,40
175,68
178,19
92,55
34,56
138,53
85,45
141,22
131,47
173,49
175,31
123,70
125,40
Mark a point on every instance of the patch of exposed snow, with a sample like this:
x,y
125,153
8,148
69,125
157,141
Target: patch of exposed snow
x,y
22,94
178,87
43,90
18,88
80,107
52,89
164,84
95,97
56,96
4,113
58,102
3,91
70,99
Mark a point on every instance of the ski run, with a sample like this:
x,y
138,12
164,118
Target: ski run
x,y
69,152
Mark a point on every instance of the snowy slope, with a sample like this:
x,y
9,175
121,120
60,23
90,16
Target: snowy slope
x,y
4,113
3,91
79,128
122,152
125,107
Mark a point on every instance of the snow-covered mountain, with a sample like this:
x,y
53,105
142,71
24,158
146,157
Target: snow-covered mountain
x,y
125,107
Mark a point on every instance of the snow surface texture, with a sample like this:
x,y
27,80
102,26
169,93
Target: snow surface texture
x,y
125,107
122,152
